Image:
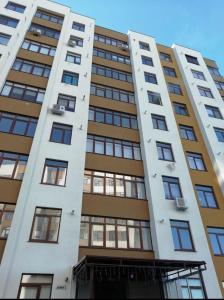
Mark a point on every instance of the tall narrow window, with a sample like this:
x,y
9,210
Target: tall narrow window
x,y
206,196
6,215
182,238
164,151
46,225
171,187
196,161
55,172
216,236
35,286
61,133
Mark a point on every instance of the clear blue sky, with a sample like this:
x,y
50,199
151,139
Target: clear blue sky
x,y
197,24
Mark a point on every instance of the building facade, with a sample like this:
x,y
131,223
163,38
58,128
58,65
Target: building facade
x,y
111,161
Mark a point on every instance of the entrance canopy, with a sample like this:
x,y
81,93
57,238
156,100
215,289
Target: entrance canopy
x,y
111,268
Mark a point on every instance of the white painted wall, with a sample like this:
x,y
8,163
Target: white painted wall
x,y
58,259
159,207
206,123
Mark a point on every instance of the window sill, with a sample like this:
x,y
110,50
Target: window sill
x,y
52,184
42,242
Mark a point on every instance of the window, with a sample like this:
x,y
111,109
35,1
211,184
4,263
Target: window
x,y
187,133
181,236
6,215
73,58
147,61
49,17
78,40
12,165
192,59
111,56
35,286
16,124
151,78
23,92
154,98
206,196
214,71
33,68
174,88
70,78
164,151
192,288
78,26
111,93
115,233
49,32
198,75
171,187
109,146
38,48
112,117
169,72
114,185
219,85
15,7
213,112
220,134
46,223
4,38
180,109
61,133
7,21
165,56
110,41
55,172
67,101
195,161
111,73
205,92
144,46
216,236
159,122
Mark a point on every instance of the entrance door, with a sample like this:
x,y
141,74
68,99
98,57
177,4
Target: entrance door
x,y
109,290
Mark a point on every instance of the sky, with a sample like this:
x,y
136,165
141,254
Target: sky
x,y
196,24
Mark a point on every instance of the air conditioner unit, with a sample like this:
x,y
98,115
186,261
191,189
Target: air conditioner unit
x,y
181,204
72,43
124,47
36,32
58,109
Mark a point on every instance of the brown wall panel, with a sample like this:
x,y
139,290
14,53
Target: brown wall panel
x,y
9,190
111,33
2,248
113,131
115,253
112,64
42,39
15,143
36,57
46,23
117,84
20,107
113,104
29,79
101,205
114,164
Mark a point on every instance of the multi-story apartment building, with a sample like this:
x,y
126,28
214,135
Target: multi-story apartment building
x,y
111,161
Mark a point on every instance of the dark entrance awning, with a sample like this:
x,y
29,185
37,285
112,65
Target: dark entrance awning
x,y
139,269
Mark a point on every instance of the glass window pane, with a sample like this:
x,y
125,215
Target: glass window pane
x,y
20,170
119,188
185,239
122,237
50,175
130,189
97,235
5,124
110,236
110,186
6,168
20,127
134,237
61,176
40,228
146,238
99,147
28,293
45,292
84,234
98,185
53,230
